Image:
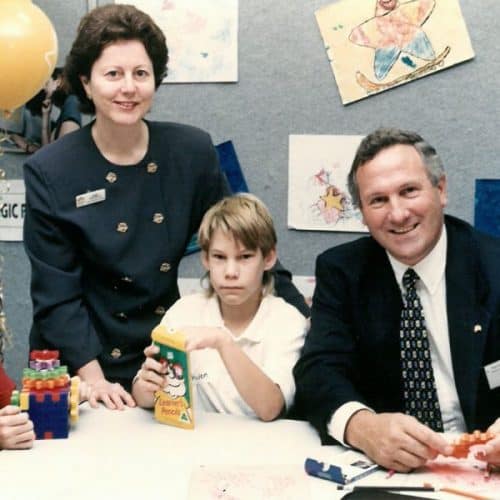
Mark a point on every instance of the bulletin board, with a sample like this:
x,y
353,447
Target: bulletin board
x,y
286,87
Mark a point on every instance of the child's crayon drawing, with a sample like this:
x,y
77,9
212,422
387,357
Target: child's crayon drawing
x,y
374,45
202,37
230,482
318,198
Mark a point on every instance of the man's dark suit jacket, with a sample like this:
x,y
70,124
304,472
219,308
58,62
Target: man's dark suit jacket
x,y
352,350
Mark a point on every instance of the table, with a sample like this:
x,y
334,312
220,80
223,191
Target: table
x,y
122,454
127,454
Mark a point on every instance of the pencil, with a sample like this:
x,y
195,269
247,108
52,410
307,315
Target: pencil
x,y
390,473
386,488
463,493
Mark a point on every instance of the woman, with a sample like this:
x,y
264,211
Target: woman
x,y
111,207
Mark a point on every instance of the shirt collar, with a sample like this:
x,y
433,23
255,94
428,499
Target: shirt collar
x,y
254,331
430,269
214,311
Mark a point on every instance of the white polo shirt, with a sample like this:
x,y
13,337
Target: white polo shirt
x,y
272,341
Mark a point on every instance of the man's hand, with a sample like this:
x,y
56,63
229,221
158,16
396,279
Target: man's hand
x,y
16,429
394,440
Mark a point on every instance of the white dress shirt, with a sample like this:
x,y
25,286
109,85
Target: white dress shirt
x,y
431,289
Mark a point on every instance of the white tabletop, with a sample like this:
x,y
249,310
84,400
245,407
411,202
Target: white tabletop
x,y
127,454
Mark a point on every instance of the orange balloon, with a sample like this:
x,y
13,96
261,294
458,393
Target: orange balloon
x,y
28,52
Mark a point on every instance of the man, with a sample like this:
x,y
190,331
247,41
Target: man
x,y
352,380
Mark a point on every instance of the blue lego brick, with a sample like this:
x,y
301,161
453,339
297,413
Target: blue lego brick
x,y
49,416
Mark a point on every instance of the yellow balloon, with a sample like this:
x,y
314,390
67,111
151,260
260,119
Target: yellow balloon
x,y
28,52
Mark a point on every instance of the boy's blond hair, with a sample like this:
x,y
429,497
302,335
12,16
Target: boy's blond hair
x,y
245,218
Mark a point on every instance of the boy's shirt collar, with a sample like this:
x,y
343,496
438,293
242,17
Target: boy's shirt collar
x,y
254,331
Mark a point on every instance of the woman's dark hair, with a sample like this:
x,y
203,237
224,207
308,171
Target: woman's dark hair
x,y
103,26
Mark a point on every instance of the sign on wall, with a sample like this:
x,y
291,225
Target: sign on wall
x,y
12,210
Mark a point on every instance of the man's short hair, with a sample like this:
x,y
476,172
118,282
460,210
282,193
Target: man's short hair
x,y
383,138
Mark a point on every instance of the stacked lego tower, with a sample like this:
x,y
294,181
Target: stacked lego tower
x,y
49,395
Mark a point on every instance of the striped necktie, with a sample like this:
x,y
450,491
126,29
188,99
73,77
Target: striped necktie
x,y
419,386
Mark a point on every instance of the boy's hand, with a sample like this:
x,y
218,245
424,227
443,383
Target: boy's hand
x,y
151,377
200,337
16,429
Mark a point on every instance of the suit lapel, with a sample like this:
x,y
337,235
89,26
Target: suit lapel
x,y
382,303
464,299
381,293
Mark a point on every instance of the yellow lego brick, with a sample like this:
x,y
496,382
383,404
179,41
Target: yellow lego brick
x,y
24,400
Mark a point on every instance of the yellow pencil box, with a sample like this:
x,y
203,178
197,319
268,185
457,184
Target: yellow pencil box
x,y
174,403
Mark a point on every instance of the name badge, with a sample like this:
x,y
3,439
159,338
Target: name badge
x,y
84,199
493,374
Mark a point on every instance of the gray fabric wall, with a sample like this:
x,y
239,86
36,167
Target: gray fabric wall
x,y
286,87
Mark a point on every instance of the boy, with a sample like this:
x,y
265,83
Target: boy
x,y
243,340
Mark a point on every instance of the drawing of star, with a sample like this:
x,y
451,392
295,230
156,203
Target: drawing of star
x,y
333,200
395,28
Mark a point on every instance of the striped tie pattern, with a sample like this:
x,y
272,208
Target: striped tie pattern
x,y
419,387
